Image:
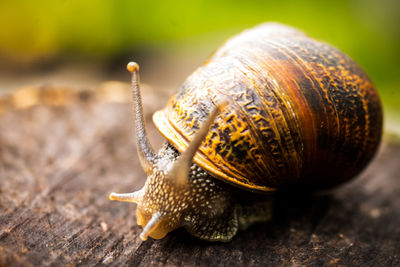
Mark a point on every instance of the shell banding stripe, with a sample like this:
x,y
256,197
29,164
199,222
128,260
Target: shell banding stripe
x,y
232,137
341,110
276,114
181,120
259,111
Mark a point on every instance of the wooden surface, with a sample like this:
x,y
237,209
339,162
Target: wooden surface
x,y
59,160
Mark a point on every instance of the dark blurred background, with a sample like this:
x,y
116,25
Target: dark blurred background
x,y
82,43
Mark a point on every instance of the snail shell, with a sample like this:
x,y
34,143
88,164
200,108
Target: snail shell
x,y
300,112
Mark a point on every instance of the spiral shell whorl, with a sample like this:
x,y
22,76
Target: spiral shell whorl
x,y
299,111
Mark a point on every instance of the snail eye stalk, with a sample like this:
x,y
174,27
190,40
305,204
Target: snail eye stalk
x,y
146,154
180,169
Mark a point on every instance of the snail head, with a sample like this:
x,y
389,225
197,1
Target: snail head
x,y
166,195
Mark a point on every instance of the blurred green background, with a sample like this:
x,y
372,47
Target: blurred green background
x,y
39,36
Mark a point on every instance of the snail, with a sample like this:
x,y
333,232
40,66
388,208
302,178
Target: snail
x,y
272,108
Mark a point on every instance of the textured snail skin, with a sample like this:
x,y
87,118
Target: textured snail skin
x,y
300,112
296,112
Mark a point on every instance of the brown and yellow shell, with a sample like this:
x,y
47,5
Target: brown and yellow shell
x,y
299,112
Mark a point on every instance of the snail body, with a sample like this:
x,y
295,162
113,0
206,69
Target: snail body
x,y
271,108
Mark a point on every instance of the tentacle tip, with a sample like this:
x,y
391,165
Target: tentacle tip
x,y
143,237
112,196
221,104
132,67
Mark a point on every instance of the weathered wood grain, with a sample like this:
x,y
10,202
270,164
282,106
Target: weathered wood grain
x,y
59,161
